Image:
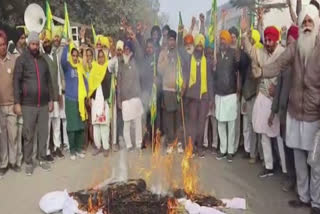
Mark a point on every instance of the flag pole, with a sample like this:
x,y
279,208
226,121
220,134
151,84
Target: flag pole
x,y
183,122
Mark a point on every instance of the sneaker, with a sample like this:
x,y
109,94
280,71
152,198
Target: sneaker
x,y
131,149
80,155
59,154
49,159
288,185
106,153
44,165
221,156
29,169
214,151
253,160
266,173
230,158
115,148
315,210
96,152
180,148
298,204
73,157
201,154
16,168
169,150
3,171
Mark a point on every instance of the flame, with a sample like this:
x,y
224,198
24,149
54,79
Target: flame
x,y
189,171
172,206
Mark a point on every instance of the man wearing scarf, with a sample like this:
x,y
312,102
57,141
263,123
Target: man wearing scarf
x,y
249,86
303,118
225,85
54,119
170,65
33,100
262,106
280,107
199,93
129,92
235,45
99,92
75,95
57,49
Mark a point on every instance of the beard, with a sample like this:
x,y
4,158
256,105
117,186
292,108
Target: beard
x,y
34,52
306,43
126,58
47,49
197,54
190,49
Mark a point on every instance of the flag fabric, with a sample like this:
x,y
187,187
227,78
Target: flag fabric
x,y
214,21
113,89
179,78
66,29
94,34
180,19
153,104
252,18
49,22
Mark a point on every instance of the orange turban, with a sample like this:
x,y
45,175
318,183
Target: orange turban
x,y
188,39
225,35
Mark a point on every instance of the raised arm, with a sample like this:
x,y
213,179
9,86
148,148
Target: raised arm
x,y
64,58
281,63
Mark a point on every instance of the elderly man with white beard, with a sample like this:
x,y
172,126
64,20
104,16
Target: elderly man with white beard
x,y
303,119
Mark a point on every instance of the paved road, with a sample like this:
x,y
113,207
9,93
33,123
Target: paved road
x,y
21,194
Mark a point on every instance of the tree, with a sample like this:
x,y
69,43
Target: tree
x,y
252,5
105,15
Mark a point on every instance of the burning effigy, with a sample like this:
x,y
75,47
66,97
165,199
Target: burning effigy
x,y
121,195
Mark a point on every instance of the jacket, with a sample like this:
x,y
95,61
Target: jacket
x,y
304,99
53,68
128,85
281,97
225,76
248,82
32,82
6,76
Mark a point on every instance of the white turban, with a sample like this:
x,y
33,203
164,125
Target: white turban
x,y
120,45
311,11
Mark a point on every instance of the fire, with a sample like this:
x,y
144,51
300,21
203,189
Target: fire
x,y
189,171
172,206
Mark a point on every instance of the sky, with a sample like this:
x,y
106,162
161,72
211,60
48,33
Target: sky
x,y
188,9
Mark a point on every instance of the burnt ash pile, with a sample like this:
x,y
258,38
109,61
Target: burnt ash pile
x,y
133,197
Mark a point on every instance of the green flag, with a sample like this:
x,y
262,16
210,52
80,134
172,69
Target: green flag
x,y
180,19
153,104
94,34
66,28
49,21
213,22
179,78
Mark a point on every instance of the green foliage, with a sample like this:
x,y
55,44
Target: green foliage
x,y
105,15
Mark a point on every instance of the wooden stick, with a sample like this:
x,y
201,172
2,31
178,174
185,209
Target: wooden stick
x,y
152,138
183,122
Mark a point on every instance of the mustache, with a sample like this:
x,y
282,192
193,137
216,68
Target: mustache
x,y
307,30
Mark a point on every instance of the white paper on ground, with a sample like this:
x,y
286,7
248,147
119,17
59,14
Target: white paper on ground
x,y
235,203
194,208
53,201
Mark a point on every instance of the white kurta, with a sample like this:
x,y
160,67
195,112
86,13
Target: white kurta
x,y
260,115
100,109
132,109
226,107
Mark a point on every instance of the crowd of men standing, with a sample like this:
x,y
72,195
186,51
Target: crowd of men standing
x,y
103,90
